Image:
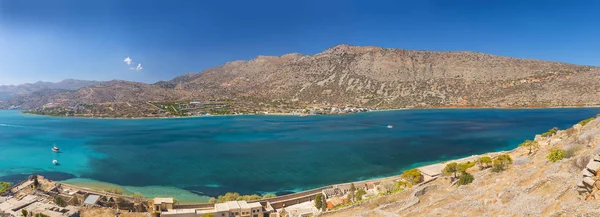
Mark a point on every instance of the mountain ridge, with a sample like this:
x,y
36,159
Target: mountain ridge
x,y
358,76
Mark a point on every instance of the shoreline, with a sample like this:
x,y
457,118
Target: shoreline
x,y
310,115
94,184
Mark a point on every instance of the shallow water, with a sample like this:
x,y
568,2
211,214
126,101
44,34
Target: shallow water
x,y
259,154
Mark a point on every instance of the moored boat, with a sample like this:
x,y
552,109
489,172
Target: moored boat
x,y
55,149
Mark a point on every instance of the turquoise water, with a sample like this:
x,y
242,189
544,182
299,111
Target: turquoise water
x,y
259,154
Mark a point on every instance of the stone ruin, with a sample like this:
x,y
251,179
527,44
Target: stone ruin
x,y
590,184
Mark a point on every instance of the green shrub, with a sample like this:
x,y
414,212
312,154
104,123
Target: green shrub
x,y
530,144
464,166
413,176
556,155
497,167
484,162
501,162
465,179
24,212
4,187
359,194
450,169
209,215
550,132
584,122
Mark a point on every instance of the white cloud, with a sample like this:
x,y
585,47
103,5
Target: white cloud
x,y
128,60
139,67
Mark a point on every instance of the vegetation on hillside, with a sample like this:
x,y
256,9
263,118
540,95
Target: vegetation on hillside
x,y
4,186
234,196
556,155
531,144
584,122
412,176
501,163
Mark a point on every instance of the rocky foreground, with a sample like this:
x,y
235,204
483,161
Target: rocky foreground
x,y
531,186
341,76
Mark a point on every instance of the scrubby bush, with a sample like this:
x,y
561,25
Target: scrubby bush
x,y
450,169
413,176
556,155
462,167
484,162
359,194
496,167
24,212
530,144
584,122
550,132
501,162
465,179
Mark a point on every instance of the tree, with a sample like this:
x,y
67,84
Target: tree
x,y
413,176
465,179
212,200
24,212
501,162
359,194
318,201
209,215
462,168
484,162
451,169
531,144
556,155
324,204
36,183
351,192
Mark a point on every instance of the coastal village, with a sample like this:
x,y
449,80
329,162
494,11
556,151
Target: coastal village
x,y
196,108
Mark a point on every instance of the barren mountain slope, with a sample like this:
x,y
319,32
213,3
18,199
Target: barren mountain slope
x,y
358,76
532,186
398,78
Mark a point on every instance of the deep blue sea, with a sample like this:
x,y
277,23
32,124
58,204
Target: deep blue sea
x,y
259,154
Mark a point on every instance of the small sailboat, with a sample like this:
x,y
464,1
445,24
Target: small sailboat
x,y
55,162
390,126
55,149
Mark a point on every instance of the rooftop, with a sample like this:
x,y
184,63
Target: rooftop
x,y
432,170
161,200
91,200
230,205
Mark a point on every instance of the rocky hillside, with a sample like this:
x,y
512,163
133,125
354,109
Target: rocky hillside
x,y
362,77
531,186
8,91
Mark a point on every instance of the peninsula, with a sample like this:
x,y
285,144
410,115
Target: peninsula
x,y
341,79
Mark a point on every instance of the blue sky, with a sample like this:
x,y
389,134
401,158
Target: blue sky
x,y
59,39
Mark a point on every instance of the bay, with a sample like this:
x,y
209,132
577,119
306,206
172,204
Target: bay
x,y
198,157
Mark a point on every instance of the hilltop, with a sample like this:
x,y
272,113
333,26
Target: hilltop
x,y
344,75
531,186
8,91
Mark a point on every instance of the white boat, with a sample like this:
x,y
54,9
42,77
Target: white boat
x,y
55,149
55,162
390,126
